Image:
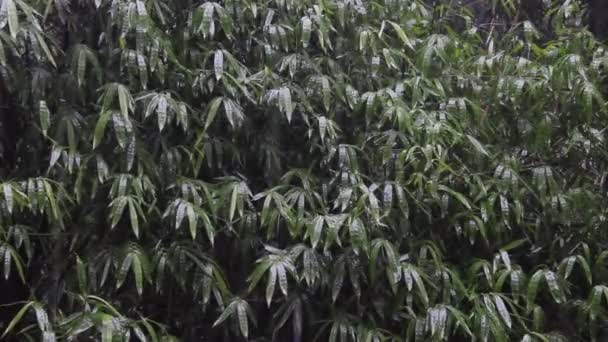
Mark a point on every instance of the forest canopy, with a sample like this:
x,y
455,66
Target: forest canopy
x,y
303,170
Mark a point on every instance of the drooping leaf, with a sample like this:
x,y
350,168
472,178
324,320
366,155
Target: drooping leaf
x,y
218,64
45,118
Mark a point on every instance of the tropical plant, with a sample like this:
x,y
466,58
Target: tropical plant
x,y
298,170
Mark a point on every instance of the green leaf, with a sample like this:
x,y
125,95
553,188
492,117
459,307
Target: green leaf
x,y
150,330
81,65
81,274
233,200
358,235
51,199
180,213
460,197
317,229
225,21
513,244
121,128
209,229
17,318
326,93
586,269
282,278
100,127
270,285
554,287
41,317
225,314
285,102
478,146
207,23
192,220
2,54
123,270
118,206
45,118
13,20
213,107
338,281
306,29
131,153
143,70
107,328
533,287
538,318
45,48
420,286
8,196
161,112
258,273
133,217
322,126
218,64
242,318
401,34
502,310
138,273
124,100
461,319
8,256
594,301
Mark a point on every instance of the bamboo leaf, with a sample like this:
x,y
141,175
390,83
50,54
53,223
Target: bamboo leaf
x,y
554,287
258,273
242,318
218,64
226,313
282,279
192,220
41,317
45,48
45,118
207,23
100,127
460,197
270,285
286,104
180,213
13,323
213,107
124,100
138,272
594,301
338,281
306,30
161,112
13,20
208,226
233,200
8,196
586,269
107,328
478,146
401,34
81,273
502,310
420,286
118,206
133,217
533,287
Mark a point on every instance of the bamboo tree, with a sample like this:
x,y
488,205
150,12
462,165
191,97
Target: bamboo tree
x,y
341,170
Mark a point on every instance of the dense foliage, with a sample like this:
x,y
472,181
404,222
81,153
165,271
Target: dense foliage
x,y
292,170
